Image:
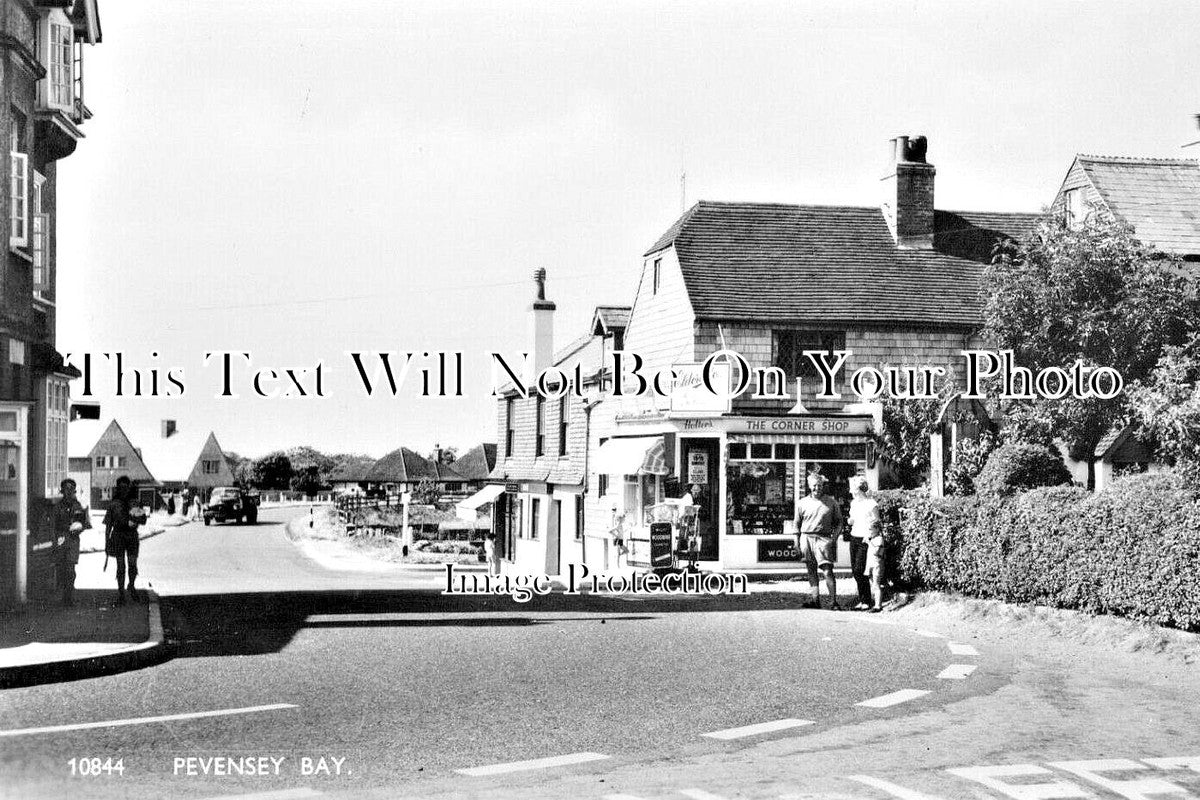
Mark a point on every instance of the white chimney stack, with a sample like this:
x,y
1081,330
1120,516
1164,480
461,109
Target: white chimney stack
x,y
908,193
541,326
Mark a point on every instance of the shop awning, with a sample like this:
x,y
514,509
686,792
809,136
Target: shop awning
x,y
633,456
799,438
468,509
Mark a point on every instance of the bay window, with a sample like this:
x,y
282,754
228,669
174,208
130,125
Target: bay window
x,y
18,182
56,402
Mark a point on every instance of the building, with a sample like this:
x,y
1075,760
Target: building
x,y
184,460
895,284
101,452
401,470
469,472
1159,198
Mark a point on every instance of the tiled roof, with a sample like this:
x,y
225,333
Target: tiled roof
x,y
833,263
477,463
612,317
171,459
401,466
1159,197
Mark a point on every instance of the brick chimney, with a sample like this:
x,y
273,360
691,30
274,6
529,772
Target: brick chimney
x,y
541,326
908,194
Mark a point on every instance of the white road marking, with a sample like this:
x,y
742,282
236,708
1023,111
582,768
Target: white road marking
x,y
993,778
1185,762
956,672
962,649
534,763
622,797
83,726
762,727
282,794
1133,790
700,794
890,788
895,698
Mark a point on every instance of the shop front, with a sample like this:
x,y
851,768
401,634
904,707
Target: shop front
x,y
745,475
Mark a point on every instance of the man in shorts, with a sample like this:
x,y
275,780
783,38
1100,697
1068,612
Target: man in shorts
x,y
818,523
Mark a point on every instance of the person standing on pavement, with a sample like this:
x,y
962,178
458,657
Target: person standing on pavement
x,y
864,526
818,523
121,522
70,520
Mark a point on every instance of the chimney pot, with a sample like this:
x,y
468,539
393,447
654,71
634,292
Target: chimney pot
x,y
908,199
541,326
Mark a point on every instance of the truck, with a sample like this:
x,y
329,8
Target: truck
x,y
231,503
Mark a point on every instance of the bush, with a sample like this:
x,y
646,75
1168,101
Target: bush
x,y
1132,551
1018,467
967,461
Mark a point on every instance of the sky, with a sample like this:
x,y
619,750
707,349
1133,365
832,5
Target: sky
x,y
301,179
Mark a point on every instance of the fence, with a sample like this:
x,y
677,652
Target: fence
x,y
296,497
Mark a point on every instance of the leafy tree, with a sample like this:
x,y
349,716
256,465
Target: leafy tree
x,y
1167,404
904,441
443,455
426,493
1093,293
303,457
307,480
967,461
241,467
273,471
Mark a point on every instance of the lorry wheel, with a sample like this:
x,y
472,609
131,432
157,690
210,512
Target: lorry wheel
x,y
206,521
252,519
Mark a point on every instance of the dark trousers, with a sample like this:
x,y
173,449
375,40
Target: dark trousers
x,y
858,568
66,579
124,548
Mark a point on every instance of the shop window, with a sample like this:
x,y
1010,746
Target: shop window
x,y
738,450
56,403
785,452
790,345
641,492
761,451
760,496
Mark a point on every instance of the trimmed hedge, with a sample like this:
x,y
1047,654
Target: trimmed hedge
x,y
1133,550
1017,467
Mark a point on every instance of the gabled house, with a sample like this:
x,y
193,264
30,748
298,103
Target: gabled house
x,y
1158,197
401,470
101,452
181,460
895,284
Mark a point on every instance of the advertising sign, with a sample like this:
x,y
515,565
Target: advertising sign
x,y
689,395
775,550
660,544
697,469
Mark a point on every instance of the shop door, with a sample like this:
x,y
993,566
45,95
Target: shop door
x,y
700,459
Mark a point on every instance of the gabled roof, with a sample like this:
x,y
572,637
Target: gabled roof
x,y
793,263
1159,197
172,459
607,319
401,466
83,434
477,463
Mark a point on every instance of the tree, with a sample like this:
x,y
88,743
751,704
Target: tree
x,y
443,455
307,480
273,471
1093,293
241,467
426,493
1167,404
303,457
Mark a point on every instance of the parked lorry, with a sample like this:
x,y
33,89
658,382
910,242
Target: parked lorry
x,y
231,503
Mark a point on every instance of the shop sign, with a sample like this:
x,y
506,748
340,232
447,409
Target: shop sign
x,y
777,550
830,424
697,467
661,535
689,395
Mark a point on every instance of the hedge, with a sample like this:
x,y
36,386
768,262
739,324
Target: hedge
x,y
1132,550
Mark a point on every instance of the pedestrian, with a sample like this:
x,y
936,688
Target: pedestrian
x,y
70,520
818,523
170,505
121,522
864,526
489,554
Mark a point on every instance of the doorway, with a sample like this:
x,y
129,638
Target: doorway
x,y
700,459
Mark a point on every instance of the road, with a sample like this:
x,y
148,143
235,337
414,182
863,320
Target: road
x,y
390,689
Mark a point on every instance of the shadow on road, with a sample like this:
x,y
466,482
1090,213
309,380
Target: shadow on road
x,y
256,623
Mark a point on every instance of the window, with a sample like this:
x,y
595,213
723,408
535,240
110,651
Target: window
x,y
579,518
510,424
1074,207
56,403
210,467
509,427
61,60
563,414
535,509
42,280
539,437
789,353
657,274
100,462
601,485
18,182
